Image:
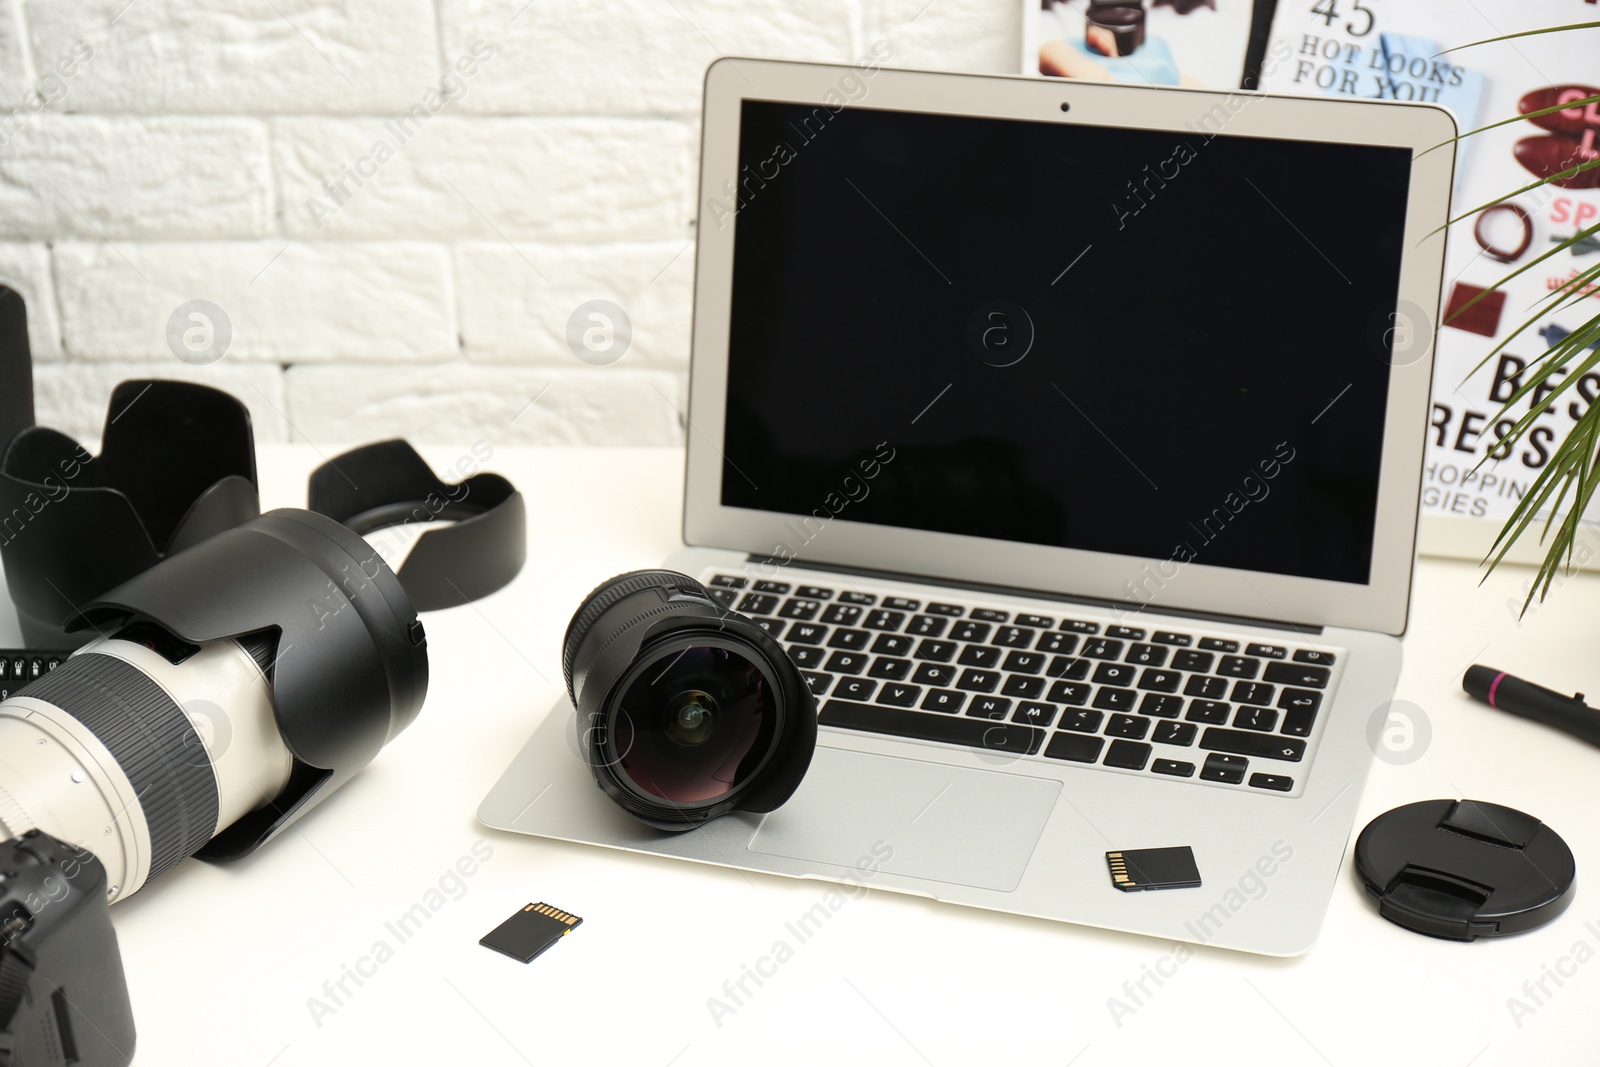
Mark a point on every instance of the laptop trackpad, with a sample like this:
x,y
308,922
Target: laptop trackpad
x,y
945,824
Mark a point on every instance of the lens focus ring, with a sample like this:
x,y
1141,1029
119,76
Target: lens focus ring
x,y
602,597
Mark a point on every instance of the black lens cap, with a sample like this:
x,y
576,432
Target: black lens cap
x,y
1464,869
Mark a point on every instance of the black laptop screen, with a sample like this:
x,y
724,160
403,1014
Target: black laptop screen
x,y
1144,343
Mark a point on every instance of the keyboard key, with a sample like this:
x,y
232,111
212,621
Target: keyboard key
x,y
1160,705
1174,733
979,656
892,669
1024,662
1102,648
1115,674
1159,680
1239,667
941,651
1297,722
1193,661
1132,633
1228,769
1078,626
927,626
1253,693
900,603
1265,651
815,592
758,604
1072,667
842,662
947,729
976,681
1176,768
774,627
953,610
1036,621
1272,781
898,695
772,587
1147,655
1208,711
946,700
1296,674
1263,719
1167,637
1202,686
1056,641
1023,686
1245,743
725,597
1070,693
1082,720
807,656
1314,657
989,707
817,683
851,639
1128,726
807,633
855,688
970,631
892,645
1015,637
1218,644
1129,755
1074,747
842,614
1114,699
989,615
728,581
853,597
800,608
880,619
934,674
1035,713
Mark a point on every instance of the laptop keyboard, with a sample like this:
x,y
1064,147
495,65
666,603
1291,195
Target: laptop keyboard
x,y
1187,703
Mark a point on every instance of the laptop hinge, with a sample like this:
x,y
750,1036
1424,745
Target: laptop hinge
x,y
1122,607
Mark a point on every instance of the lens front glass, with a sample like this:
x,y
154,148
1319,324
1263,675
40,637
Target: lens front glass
x,y
694,724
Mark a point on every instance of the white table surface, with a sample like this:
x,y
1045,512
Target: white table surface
x,y
223,961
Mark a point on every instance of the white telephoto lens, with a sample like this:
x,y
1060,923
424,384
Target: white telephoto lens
x,y
138,759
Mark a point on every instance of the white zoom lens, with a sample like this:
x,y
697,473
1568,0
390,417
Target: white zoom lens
x,y
142,756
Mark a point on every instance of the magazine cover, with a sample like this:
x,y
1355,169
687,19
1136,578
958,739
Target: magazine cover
x,y
1200,43
1391,49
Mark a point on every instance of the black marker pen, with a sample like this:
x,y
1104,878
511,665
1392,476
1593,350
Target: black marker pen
x,y
1511,694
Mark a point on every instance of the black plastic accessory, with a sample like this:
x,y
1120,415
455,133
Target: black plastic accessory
x,y
1464,869
63,998
16,366
387,484
685,710
349,668
1511,694
176,466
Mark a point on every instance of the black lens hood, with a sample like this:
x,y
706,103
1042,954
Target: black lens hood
x,y
387,484
176,466
616,625
351,667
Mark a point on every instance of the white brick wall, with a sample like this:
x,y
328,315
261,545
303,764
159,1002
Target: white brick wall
x,y
397,204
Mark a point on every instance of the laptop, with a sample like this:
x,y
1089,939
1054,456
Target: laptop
x,y
1069,436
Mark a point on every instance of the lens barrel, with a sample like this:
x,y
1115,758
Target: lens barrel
x,y
685,710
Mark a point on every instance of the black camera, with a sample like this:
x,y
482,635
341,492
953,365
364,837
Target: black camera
x,y
685,710
63,1000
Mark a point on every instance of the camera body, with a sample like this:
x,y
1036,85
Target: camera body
x,y
63,999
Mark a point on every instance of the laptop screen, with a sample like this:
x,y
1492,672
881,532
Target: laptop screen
x,y
1173,346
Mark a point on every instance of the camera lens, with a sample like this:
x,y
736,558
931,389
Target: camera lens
x,y
685,710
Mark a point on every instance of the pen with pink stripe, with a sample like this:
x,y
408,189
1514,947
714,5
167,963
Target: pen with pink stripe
x,y
1508,693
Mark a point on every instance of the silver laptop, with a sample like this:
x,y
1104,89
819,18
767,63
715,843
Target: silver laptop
x,y
1069,436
